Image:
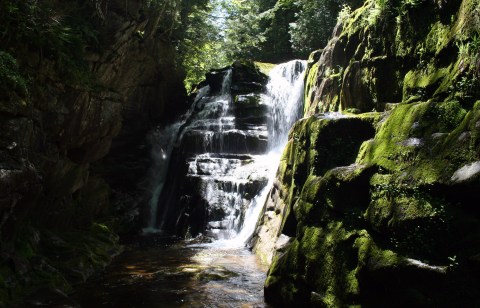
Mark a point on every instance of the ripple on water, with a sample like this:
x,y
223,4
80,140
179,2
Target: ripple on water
x,y
178,276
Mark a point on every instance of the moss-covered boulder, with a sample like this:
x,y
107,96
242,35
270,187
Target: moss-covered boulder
x,y
398,225
387,52
316,144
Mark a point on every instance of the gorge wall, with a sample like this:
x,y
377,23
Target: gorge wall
x,y
377,206
66,100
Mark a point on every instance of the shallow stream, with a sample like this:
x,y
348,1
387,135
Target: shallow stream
x,y
158,274
154,273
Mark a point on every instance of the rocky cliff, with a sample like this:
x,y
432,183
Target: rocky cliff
x,y
76,77
215,171
377,206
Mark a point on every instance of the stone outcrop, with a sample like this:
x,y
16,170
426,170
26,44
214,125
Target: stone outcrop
x,y
379,209
214,173
54,129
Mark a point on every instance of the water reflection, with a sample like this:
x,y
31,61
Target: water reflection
x,y
178,275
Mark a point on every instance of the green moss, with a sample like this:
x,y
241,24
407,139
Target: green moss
x,y
264,68
434,81
11,78
386,149
406,142
400,190
449,114
438,38
310,81
467,22
395,203
307,202
78,254
358,19
329,253
369,255
321,261
280,285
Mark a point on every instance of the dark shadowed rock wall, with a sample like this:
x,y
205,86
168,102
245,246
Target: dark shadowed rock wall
x,y
55,199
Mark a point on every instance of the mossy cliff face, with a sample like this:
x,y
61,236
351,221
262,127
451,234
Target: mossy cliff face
x,y
66,93
389,217
387,52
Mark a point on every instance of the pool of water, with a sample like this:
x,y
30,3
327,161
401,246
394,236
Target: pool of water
x,y
154,274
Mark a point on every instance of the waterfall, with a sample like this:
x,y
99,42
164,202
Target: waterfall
x,y
162,142
201,134
285,97
285,91
229,147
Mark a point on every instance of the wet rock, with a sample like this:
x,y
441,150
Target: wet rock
x,y
215,79
218,148
247,71
399,212
334,142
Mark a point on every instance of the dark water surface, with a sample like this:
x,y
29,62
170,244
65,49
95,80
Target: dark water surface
x,y
153,274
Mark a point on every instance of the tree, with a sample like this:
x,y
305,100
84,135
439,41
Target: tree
x,y
314,23
243,34
212,33
275,26
200,40
279,30
258,30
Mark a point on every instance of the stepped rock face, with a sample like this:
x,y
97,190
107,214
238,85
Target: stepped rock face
x,y
51,137
215,170
379,209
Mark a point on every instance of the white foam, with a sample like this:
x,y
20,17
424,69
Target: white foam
x,y
466,173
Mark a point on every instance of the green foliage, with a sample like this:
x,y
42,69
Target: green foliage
x,y
278,30
61,34
315,21
381,8
200,41
469,52
170,12
344,13
467,87
411,3
449,114
258,30
381,4
277,46
243,29
10,77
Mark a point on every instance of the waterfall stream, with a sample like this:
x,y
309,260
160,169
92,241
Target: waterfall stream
x,y
163,141
284,96
229,147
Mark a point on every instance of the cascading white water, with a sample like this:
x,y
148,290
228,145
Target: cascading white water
x,y
162,144
285,97
163,141
224,170
231,148
204,131
285,91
